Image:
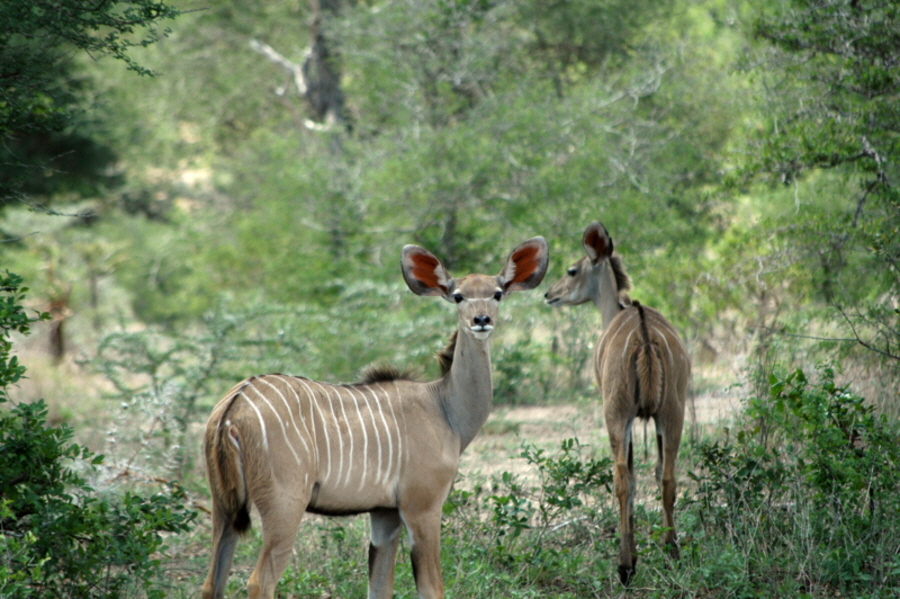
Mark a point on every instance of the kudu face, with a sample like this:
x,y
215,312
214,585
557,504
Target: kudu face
x,y
388,446
580,284
477,298
592,278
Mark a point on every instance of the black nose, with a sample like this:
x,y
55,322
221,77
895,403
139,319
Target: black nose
x,y
547,295
482,321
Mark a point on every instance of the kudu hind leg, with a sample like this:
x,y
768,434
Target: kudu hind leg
x,y
386,526
623,484
668,440
280,518
225,539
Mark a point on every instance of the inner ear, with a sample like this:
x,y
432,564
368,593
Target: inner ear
x,y
597,243
423,272
526,266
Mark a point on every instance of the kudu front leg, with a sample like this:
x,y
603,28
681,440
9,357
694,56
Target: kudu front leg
x,y
386,525
623,484
425,552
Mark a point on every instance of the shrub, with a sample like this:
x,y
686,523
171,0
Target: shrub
x,y
58,536
809,487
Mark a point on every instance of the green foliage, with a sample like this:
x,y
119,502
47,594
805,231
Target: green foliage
x,y
832,82
13,319
537,533
45,94
809,487
58,536
846,56
36,39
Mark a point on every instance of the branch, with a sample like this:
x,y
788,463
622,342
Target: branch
x,y
295,69
866,344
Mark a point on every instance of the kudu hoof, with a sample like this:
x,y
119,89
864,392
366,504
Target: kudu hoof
x,y
625,574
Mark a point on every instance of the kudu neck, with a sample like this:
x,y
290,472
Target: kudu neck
x,y
606,294
466,391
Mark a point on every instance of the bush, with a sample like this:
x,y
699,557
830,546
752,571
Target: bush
x,y
58,536
809,488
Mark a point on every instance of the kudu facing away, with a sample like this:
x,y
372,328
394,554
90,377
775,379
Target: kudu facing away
x,y
642,369
387,446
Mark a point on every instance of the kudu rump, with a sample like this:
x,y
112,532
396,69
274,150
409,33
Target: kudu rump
x,y
386,446
642,369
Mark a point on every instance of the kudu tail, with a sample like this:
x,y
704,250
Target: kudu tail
x,y
648,367
226,470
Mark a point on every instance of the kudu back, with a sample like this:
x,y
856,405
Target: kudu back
x,y
386,446
642,369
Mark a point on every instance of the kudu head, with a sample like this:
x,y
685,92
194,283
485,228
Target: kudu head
x,y
476,296
599,272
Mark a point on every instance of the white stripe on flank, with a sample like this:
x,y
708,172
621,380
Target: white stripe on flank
x,y
627,343
262,423
340,453
288,408
623,322
312,421
280,421
402,433
365,451
350,430
326,390
391,433
608,334
223,403
386,471
313,401
377,436
302,434
668,349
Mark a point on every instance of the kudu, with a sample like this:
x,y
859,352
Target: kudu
x,y
387,446
642,369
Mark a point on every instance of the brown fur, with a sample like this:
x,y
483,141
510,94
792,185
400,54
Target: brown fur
x,y
445,356
623,281
387,446
649,369
642,369
383,373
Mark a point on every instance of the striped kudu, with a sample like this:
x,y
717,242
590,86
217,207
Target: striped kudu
x,y
387,446
642,369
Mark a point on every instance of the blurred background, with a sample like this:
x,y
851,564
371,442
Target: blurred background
x,y
211,190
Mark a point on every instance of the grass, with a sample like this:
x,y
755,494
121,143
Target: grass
x,y
773,501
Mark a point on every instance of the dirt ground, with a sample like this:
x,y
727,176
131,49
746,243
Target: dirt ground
x,y
499,445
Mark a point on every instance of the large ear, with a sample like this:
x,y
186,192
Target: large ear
x,y
526,266
423,272
597,242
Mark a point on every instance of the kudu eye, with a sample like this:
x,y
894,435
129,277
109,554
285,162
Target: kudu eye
x,y
498,295
572,271
458,297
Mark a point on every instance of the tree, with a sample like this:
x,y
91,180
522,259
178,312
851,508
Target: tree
x,y
40,90
836,67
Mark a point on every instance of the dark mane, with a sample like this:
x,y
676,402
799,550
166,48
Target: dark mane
x,y
623,281
445,356
383,373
